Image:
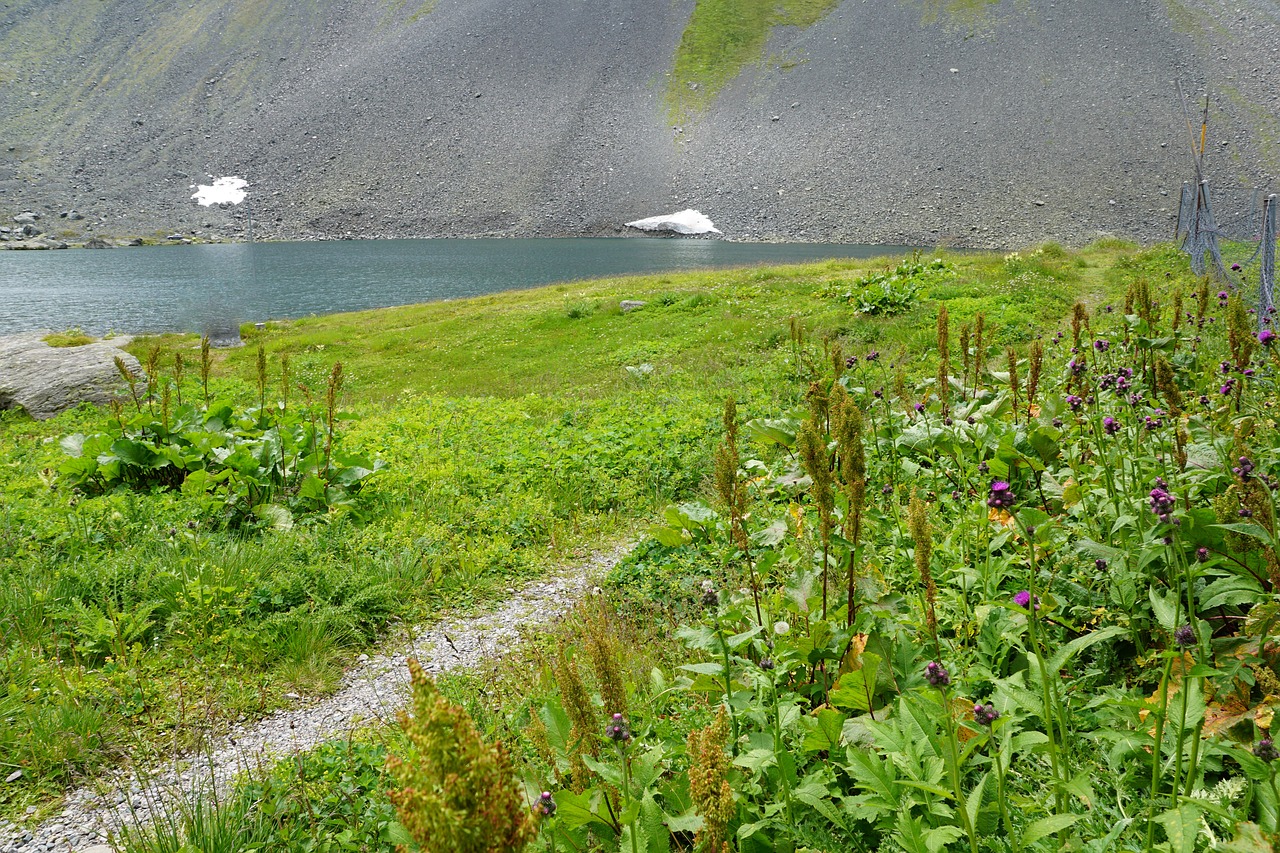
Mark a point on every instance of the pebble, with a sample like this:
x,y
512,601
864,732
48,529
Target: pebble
x,y
373,690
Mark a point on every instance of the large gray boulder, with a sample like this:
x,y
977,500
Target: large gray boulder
x,y
46,380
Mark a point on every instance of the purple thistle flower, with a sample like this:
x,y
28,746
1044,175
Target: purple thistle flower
x,y
1202,554
617,730
1162,503
985,715
1266,750
1266,337
1100,564
851,361
1057,423
1185,636
872,356
1001,495
546,805
1227,387
1074,402
936,674
919,407
1110,425
1245,469
1204,400
1022,598
1102,345
1235,268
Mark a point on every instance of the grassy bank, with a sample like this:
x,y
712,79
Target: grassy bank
x,y
515,430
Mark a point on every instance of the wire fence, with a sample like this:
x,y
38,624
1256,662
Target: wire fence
x,y
1238,247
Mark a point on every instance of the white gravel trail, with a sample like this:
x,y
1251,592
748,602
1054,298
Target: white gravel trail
x,y
373,690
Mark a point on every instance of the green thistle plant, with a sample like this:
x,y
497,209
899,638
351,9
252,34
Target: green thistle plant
x,y
1012,355
944,360
1036,359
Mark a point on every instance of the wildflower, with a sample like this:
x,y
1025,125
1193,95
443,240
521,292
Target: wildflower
x,y
1057,423
1222,296
1202,554
946,421
1135,399
1266,750
1246,513
1077,367
872,356
1162,503
919,407
1001,495
887,490
970,421
780,627
983,467
1225,367
879,394
1244,469
1153,423
851,361
546,805
1204,400
985,715
956,495
1100,564
617,730
1022,598
1102,345
1235,268
710,598
766,664
1227,387
936,674
1074,402
1185,635
1110,425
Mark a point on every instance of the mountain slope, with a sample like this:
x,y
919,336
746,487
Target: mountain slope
x,y
919,121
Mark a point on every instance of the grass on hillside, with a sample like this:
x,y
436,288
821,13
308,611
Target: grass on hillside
x,y
134,622
722,37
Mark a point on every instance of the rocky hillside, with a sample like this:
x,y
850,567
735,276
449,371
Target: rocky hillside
x,y
970,122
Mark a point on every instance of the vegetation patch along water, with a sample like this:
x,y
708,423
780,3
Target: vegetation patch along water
x,y
945,573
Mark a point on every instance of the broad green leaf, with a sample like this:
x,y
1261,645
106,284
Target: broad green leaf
x,y
1181,827
774,430
855,691
1064,655
1165,606
826,734
276,516
1048,826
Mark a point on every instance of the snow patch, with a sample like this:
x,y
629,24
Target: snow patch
x,y
229,190
685,222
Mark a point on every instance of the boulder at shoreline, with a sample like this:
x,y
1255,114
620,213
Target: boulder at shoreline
x,y
46,381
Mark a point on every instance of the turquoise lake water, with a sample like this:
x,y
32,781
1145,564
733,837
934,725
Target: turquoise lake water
x,y
214,287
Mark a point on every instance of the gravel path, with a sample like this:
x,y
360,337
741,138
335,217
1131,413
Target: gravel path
x,y
374,690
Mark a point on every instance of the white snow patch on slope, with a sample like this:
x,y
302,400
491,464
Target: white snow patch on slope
x,y
229,190
685,222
